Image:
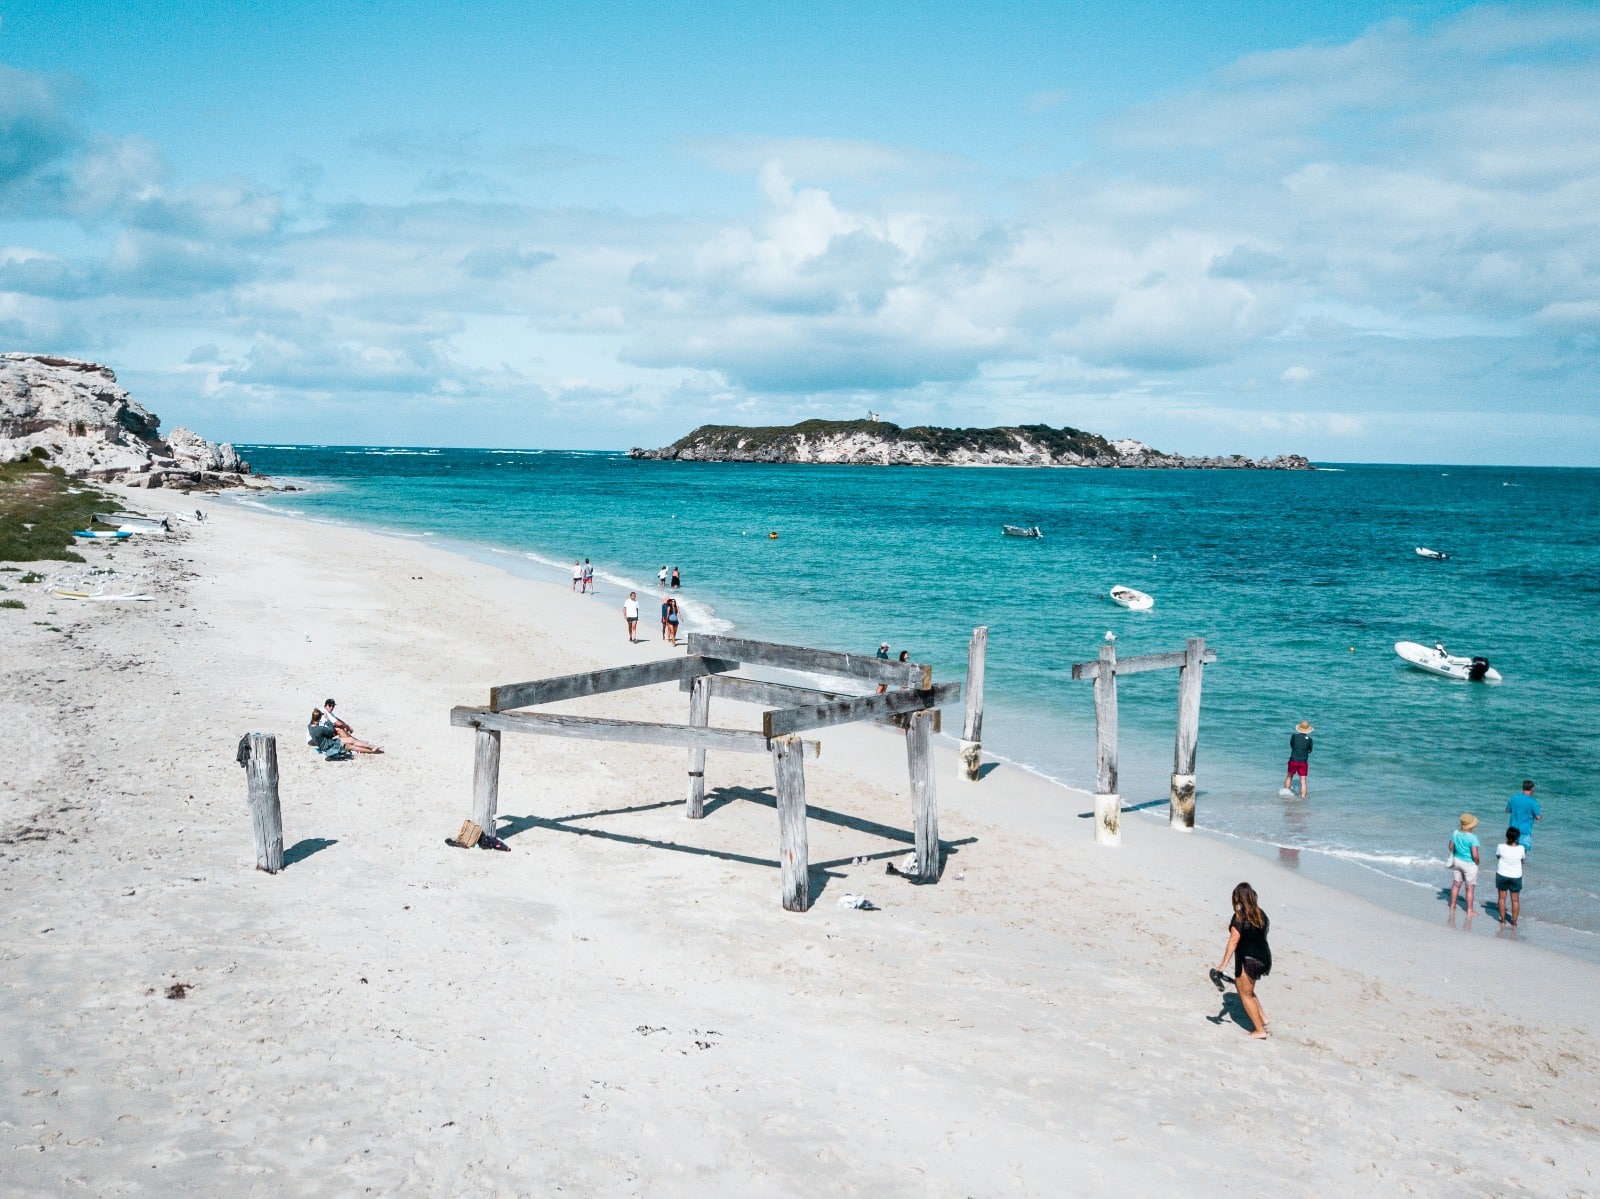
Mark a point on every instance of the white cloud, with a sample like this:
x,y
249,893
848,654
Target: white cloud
x,y
1406,218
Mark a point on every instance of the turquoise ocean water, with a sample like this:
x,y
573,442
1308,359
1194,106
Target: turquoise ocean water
x,y
1301,582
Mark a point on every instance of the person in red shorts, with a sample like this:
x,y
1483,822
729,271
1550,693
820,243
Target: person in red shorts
x,y
1299,759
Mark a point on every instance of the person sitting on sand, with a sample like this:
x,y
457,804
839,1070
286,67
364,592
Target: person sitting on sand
x,y
1252,956
324,738
346,734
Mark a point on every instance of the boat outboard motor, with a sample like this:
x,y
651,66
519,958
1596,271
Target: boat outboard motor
x,y
1479,668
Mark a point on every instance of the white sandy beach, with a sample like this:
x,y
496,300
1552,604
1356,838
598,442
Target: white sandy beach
x,y
619,1006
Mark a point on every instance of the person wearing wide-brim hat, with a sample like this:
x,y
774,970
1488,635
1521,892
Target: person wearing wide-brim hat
x,y
1299,759
1464,861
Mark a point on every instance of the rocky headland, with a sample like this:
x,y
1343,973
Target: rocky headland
x,y
78,418
882,443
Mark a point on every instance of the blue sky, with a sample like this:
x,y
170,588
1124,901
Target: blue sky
x,y
1359,231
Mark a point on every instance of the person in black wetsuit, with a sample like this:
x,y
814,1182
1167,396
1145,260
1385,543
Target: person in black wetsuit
x,y
1252,957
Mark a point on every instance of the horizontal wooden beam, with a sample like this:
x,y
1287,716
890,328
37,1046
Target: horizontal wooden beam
x,y
596,728
816,661
1137,665
758,691
598,682
861,707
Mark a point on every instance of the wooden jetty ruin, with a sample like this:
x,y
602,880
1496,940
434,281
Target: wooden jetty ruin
x,y
708,671
1190,663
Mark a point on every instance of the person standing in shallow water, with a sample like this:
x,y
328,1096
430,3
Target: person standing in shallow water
x,y
677,581
1252,956
1299,759
1523,809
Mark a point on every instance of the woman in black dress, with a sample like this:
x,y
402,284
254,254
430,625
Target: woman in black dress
x,y
1252,957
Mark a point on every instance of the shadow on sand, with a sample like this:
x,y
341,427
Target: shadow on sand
x,y
305,847
717,799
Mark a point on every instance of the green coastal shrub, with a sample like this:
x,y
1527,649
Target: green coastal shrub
x,y
11,603
40,509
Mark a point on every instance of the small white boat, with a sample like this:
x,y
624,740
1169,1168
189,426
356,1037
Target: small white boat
x,y
1424,552
1436,659
132,522
1021,531
1134,601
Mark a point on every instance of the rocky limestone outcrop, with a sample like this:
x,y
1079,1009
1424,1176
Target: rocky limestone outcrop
x,y
881,443
78,415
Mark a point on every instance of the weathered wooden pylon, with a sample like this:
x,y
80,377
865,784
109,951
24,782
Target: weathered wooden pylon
x,y
707,672
972,727
1103,672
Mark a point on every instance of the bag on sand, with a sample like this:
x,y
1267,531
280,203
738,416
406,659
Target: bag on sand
x,y
469,834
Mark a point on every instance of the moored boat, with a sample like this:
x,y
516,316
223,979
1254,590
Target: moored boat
x,y
1021,531
1134,601
1438,555
1437,660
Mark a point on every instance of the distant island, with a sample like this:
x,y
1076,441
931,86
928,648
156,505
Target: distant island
x,y
883,443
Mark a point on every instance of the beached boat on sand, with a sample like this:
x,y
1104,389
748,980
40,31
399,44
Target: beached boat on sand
x,y
1437,660
1021,531
132,522
1134,601
120,534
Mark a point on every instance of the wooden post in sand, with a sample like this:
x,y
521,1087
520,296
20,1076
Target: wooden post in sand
x,y
486,779
788,767
1107,803
699,718
266,816
1181,809
972,729
924,799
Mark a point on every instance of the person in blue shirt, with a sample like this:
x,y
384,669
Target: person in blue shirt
x,y
1464,861
1524,810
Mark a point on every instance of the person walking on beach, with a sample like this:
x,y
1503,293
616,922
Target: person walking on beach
x,y
883,656
588,577
1508,860
1299,759
1252,956
1464,861
630,613
665,604
577,575
1524,810
672,622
